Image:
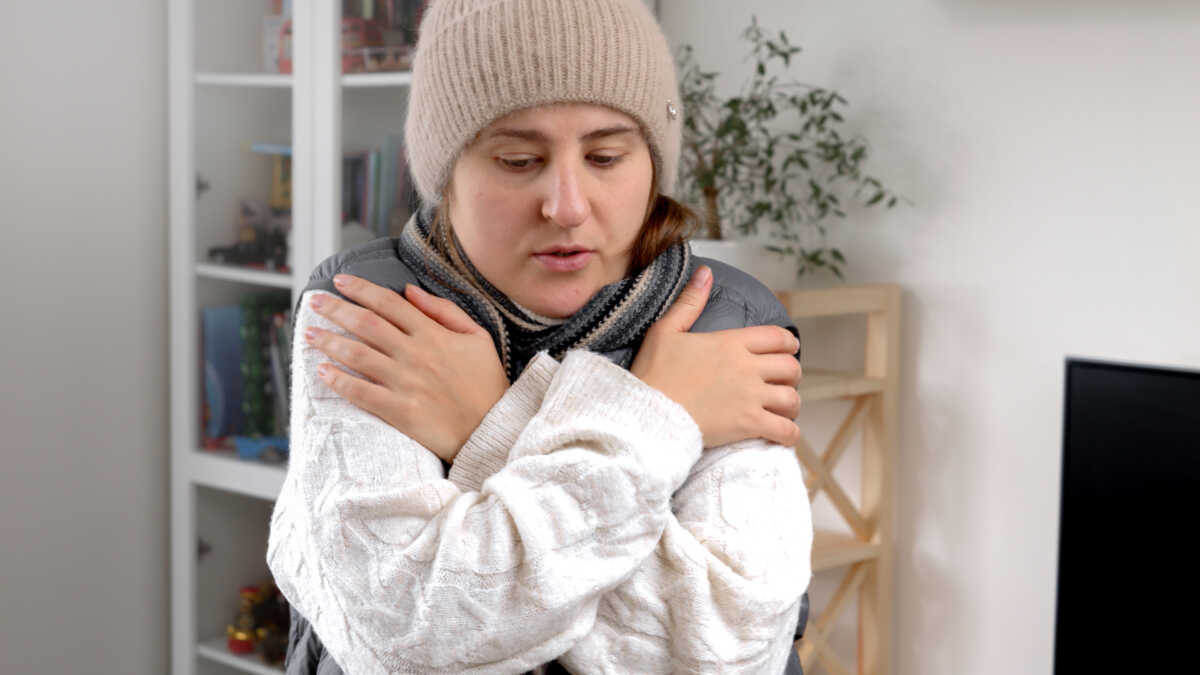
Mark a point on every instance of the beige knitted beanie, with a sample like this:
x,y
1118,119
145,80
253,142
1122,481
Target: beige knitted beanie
x,y
478,60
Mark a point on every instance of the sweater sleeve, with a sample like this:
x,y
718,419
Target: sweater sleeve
x,y
721,591
400,570
487,449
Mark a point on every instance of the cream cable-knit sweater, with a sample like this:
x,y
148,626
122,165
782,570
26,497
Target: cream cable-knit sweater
x,y
581,521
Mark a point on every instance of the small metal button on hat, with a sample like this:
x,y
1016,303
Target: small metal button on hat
x,y
672,111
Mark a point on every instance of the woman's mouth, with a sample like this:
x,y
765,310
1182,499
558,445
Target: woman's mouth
x,y
564,260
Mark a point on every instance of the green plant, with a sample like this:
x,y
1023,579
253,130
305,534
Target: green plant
x,y
771,154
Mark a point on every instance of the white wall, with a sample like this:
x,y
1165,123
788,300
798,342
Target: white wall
x,y
1051,154
83,345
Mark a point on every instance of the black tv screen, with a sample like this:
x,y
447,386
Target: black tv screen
x,y
1130,514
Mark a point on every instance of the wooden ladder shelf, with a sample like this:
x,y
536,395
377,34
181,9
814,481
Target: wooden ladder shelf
x,y
866,554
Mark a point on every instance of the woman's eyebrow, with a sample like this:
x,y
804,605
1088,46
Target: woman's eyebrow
x,y
538,137
608,131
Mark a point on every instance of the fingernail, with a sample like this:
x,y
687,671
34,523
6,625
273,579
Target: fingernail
x,y
341,281
323,370
317,302
700,277
416,290
311,333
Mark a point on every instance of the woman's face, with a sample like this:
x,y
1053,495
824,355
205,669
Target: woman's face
x,y
547,203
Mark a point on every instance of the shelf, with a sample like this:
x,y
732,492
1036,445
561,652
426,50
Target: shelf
x,y
824,385
396,79
263,80
223,469
834,549
216,650
277,81
245,275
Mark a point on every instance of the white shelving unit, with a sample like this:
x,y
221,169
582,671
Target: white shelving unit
x,y
225,471
285,81
216,651
243,275
244,80
220,103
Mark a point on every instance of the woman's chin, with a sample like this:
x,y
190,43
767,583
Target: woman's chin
x,y
555,310
557,304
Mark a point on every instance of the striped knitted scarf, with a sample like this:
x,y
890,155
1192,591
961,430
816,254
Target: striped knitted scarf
x,y
616,317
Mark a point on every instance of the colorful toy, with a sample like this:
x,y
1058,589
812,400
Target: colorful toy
x,y
273,449
272,618
241,636
261,239
262,620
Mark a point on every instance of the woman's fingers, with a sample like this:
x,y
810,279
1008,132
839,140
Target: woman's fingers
x,y
411,312
448,314
351,353
783,401
778,429
779,369
384,302
769,340
680,316
369,396
361,322
433,384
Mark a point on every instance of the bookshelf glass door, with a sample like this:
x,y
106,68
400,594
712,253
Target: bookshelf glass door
x,y
243,43
242,142
377,42
237,287
242,151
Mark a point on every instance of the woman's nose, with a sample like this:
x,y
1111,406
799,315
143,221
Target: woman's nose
x,y
566,203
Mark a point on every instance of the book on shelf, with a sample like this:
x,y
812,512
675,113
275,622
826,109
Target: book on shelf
x,y
402,16
281,173
371,193
281,361
350,188
377,188
356,209
272,149
247,353
392,157
281,182
272,35
221,349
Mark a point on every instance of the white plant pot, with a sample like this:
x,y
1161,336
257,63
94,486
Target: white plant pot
x,y
774,271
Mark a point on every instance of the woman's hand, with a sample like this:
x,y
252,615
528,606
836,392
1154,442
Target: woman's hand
x,y
433,372
737,384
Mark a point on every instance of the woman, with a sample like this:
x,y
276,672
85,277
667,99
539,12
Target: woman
x,y
550,451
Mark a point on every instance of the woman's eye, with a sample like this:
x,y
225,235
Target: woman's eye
x,y
517,163
605,160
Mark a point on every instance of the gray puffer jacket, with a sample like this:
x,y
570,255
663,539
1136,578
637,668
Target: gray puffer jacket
x,y
737,300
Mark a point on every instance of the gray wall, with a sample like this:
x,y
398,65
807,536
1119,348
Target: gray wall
x,y
83,361
1050,149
